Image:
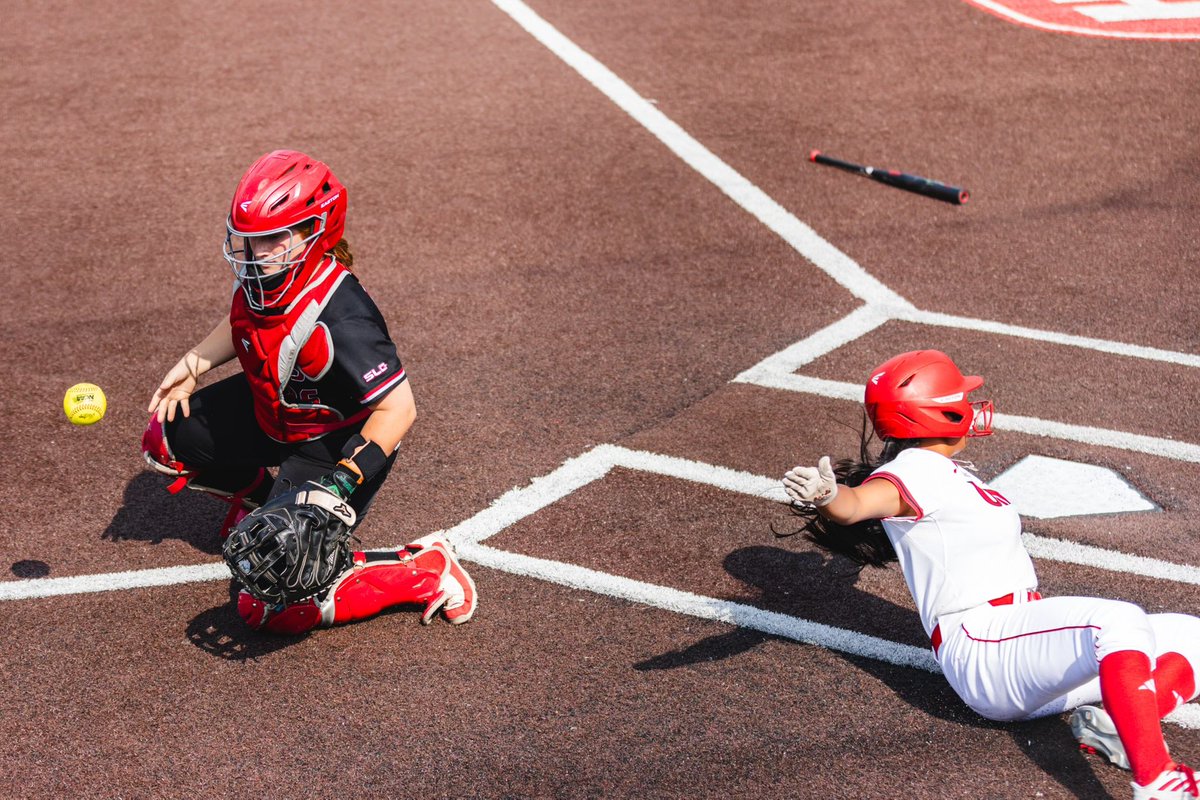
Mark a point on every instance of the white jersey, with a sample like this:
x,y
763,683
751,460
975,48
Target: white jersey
x,y
963,547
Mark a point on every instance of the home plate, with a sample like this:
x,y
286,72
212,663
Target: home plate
x,y
1050,487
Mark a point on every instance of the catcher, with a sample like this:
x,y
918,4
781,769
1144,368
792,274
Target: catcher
x,y
322,397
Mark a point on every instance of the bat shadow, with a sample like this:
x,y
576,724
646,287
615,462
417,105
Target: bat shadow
x,y
820,588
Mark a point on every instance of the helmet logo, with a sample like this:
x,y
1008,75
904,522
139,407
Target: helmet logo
x,y
875,378
245,204
950,398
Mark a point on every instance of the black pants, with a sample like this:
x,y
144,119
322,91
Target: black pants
x,y
222,442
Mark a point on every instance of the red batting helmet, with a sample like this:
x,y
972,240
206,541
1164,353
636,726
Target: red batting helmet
x,y
281,190
921,395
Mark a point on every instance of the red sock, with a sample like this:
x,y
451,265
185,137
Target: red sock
x,y
1174,681
1127,687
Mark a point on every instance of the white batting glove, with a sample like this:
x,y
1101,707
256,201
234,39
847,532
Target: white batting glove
x,y
814,486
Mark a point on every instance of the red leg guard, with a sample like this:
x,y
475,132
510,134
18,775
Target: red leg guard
x,y
459,598
363,591
293,619
371,586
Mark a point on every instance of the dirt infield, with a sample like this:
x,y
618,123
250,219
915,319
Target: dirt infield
x,y
563,284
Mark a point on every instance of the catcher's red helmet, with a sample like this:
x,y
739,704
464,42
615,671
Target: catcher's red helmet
x,y
281,190
921,395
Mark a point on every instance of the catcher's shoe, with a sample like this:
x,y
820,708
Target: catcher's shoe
x,y
458,598
1096,733
1178,783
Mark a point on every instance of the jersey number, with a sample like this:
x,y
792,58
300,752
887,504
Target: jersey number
x,y
990,495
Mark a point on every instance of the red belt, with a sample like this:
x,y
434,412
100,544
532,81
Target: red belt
x,y
1006,600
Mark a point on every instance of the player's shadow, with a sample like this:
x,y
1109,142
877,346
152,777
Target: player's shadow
x,y
220,632
149,513
816,587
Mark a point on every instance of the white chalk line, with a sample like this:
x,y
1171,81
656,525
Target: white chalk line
x,y
834,263
709,608
574,474
1054,337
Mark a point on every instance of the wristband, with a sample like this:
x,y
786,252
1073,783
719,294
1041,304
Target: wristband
x,y
367,463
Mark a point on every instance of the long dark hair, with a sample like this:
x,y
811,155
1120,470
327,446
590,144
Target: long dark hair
x,y
864,543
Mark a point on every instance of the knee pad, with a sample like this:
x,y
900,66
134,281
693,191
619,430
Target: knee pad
x,y
290,620
157,452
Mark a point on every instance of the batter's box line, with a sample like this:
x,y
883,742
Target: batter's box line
x,y
519,503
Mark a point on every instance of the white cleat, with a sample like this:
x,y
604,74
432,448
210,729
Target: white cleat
x,y
1094,729
1171,784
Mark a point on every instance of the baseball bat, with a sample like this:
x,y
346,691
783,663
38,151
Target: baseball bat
x,y
901,180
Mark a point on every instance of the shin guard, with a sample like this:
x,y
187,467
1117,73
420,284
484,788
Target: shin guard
x,y
382,580
419,575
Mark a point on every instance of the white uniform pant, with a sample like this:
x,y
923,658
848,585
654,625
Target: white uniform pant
x,y
1042,657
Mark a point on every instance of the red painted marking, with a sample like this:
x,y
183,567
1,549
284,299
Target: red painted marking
x,y
1096,18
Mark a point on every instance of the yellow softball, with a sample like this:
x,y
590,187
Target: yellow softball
x,y
84,404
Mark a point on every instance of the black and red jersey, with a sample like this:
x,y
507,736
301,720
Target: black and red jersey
x,y
317,365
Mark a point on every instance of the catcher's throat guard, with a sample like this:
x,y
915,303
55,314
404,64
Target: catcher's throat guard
x,y
293,547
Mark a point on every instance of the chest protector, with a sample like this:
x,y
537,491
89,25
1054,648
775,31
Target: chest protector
x,y
293,347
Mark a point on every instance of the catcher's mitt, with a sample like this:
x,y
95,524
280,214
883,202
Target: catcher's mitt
x,y
292,547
